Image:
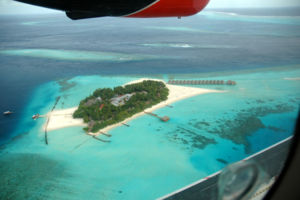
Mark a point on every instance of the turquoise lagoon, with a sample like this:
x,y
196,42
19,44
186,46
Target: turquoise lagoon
x,y
150,158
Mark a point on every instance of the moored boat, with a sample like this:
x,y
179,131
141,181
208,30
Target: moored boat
x,y
7,112
35,116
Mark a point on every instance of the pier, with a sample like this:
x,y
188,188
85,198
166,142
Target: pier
x,y
201,82
100,139
106,134
36,116
164,118
125,124
46,131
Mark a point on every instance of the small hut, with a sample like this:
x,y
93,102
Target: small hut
x,y
165,118
229,82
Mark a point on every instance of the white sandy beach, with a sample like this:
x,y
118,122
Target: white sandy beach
x,y
63,118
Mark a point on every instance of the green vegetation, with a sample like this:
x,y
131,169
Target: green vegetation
x,y
108,106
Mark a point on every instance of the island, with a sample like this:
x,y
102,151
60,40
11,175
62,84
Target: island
x,y
63,118
108,106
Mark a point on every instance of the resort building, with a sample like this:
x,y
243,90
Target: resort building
x,y
93,101
120,100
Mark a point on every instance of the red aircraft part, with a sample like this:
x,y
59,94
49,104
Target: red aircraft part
x,y
171,8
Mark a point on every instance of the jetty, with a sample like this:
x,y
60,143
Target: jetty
x,y
106,134
125,124
164,118
46,131
100,139
201,82
36,116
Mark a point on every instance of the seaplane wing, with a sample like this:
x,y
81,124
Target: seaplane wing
x,y
79,9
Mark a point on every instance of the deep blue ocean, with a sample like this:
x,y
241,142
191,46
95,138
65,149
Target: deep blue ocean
x,y
44,56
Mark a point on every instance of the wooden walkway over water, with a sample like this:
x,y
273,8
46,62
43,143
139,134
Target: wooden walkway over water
x,y
46,127
165,118
201,82
106,134
125,124
100,139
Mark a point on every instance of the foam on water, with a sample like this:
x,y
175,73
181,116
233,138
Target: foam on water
x,y
178,28
212,30
150,158
181,45
289,20
32,23
76,55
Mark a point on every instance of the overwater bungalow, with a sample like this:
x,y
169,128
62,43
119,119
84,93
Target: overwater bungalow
x,y
230,82
165,118
201,82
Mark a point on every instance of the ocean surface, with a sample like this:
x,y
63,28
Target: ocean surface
x,y
46,57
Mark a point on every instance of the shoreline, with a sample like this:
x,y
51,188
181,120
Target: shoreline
x,y
63,118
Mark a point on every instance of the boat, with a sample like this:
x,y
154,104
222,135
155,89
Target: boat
x,y
35,116
7,112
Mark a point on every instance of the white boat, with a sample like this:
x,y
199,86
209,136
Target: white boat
x,y
7,112
35,116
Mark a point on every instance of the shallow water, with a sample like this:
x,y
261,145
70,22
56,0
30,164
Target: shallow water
x,y
151,158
